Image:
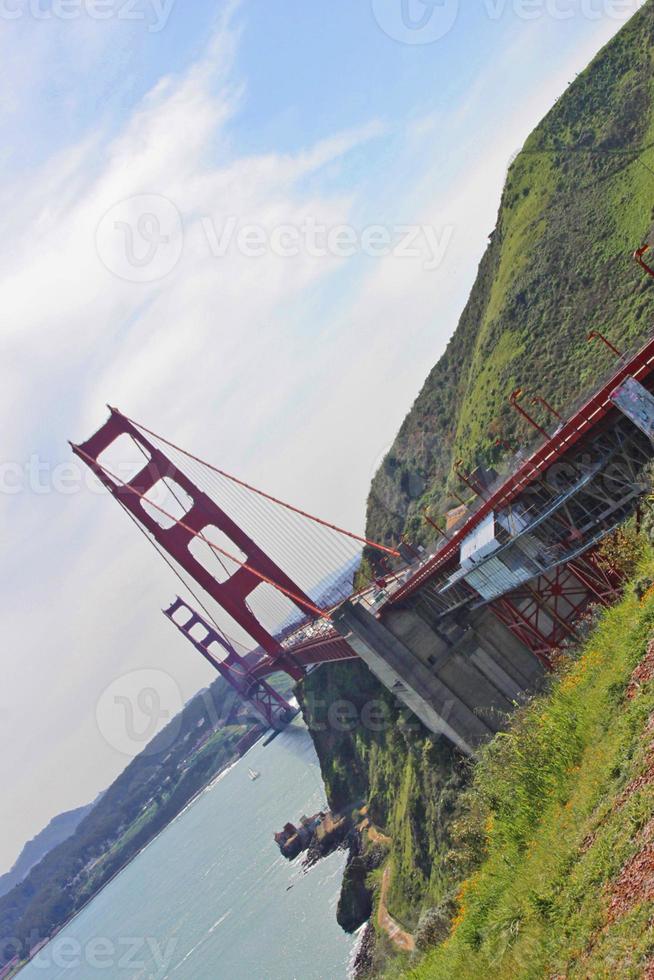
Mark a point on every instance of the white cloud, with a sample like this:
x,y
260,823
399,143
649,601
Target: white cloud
x,y
204,353
286,371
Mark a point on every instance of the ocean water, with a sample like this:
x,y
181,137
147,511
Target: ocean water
x,y
211,898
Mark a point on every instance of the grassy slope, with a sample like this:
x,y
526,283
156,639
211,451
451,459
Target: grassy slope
x,y
577,201
560,816
411,780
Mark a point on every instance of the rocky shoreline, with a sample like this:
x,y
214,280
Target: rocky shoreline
x,y
318,835
364,958
322,834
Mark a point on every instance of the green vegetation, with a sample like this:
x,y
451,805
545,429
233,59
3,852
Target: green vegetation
x,y
517,860
558,822
554,812
59,828
372,748
577,202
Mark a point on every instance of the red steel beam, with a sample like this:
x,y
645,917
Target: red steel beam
x,y
638,256
521,626
325,650
596,335
588,416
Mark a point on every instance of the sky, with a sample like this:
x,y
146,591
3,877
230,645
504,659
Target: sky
x,y
253,227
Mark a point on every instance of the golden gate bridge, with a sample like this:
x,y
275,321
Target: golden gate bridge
x,y
457,633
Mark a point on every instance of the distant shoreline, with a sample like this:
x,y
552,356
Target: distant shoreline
x,y
234,761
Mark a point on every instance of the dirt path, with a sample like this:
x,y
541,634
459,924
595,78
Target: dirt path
x,y
402,939
376,836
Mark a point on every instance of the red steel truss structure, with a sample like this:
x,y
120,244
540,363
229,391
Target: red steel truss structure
x,y
541,611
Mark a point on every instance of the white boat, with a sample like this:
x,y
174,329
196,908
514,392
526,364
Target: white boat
x,y
253,774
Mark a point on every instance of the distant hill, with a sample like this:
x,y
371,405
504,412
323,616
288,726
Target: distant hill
x,y
577,202
59,829
210,732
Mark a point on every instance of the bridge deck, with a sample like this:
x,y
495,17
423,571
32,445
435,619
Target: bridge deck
x,y
569,433
320,642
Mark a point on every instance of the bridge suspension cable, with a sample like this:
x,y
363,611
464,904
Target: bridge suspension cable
x,y
202,537
189,588
320,557
296,510
312,561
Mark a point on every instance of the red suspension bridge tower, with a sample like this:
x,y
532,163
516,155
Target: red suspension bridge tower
x,y
202,516
221,509
467,626
272,708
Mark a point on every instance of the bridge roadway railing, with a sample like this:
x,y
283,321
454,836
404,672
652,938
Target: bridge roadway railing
x,y
513,462
587,417
315,641
462,675
600,495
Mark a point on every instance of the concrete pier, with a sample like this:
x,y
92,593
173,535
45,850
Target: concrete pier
x,y
462,686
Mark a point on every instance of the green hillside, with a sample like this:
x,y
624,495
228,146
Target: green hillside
x,y
58,829
379,752
577,201
559,826
538,860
